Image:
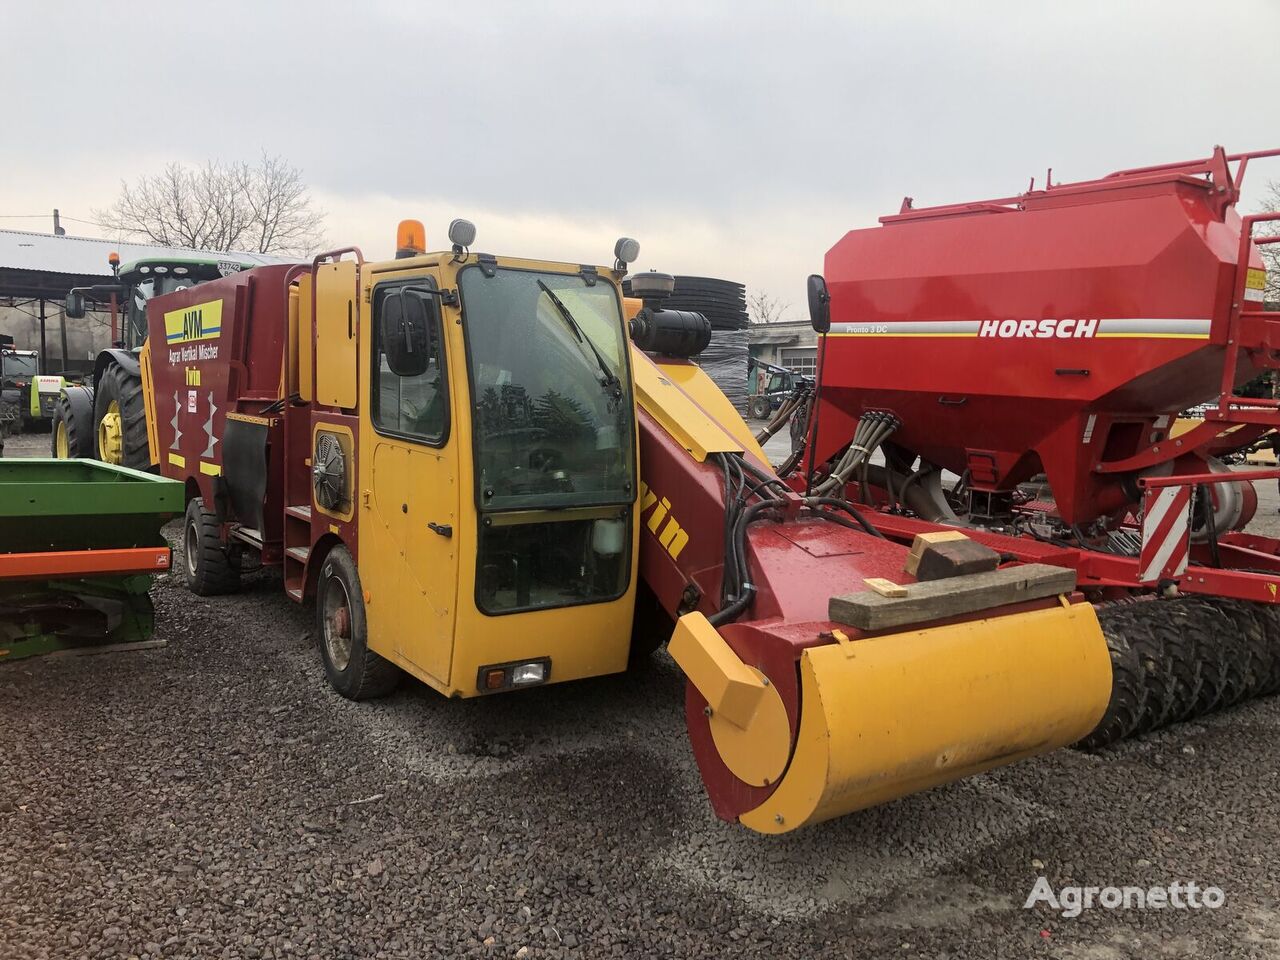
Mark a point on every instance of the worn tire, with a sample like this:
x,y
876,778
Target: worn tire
x,y
1270,617
1183,657
1161,683
356,672
207,562
759,408
1129,690
74,416
1238,643
117,385
1209,624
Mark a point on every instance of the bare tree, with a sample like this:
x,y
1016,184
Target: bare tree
x,y
260,208
764,308
1271,251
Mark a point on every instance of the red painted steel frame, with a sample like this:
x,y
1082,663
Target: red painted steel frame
x,y
1191,479
1109,571
797,562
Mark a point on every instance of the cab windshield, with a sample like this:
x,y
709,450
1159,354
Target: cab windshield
x,y
551,389
143,292
18,364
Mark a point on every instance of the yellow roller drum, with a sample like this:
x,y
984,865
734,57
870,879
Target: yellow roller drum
x,y
888,716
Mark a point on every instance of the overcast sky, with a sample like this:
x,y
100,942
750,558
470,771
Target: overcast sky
x,y
735,139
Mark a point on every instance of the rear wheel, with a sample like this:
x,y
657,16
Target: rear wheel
x,y
208,564
121,416
758,407
342,632
72,434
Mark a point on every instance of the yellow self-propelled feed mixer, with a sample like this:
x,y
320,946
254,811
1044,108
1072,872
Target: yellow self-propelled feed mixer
x,y
492,473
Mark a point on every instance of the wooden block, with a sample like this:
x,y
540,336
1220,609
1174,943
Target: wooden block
x,y
886,588
923,540
955,558
953,597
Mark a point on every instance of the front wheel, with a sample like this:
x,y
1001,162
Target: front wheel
x,y
121,415
71,436
342,631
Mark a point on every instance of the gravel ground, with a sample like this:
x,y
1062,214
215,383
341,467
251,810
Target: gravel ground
x,y
213,798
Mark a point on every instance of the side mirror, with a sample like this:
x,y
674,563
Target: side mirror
x,y
75,305
819,304
406,334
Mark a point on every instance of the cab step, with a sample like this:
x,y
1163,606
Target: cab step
x,y
249,536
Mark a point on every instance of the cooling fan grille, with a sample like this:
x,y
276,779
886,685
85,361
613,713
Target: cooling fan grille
x,y
329,472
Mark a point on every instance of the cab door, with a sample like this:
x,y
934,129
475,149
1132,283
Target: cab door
x,y
414,459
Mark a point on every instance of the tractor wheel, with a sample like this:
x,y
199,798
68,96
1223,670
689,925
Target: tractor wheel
x,y
121,416
72,435
209,567
342,631
759,408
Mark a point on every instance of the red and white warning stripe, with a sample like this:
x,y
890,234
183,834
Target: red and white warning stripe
x,y
1166,533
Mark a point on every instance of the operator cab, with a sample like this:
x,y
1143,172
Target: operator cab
x,y
552,429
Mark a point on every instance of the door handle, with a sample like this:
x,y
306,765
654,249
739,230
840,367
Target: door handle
x,y
444,529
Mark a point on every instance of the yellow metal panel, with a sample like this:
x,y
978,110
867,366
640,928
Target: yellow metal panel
x,y
731,688
337,323
913,710
210,469
383,482
200,321
757,753
302,339
700,388
148,401
688,424
411,572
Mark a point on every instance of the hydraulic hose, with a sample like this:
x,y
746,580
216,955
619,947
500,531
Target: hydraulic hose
x,y
847,507
872,430
783,415
745,590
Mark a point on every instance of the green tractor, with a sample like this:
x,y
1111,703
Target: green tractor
x,y
105,418
18,370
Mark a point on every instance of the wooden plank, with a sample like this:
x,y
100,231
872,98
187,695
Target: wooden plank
x,y
923,540
886,588
955,558
939,599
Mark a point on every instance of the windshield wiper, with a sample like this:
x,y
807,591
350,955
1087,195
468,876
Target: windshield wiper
x,y
609,381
